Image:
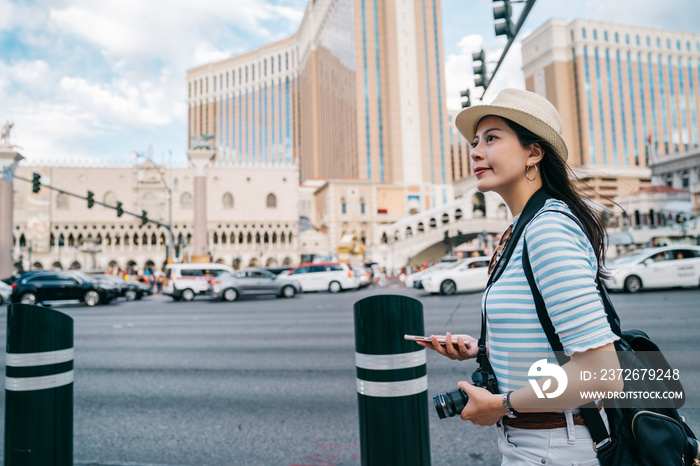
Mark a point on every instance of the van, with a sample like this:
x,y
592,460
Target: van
x,y
185,281
331,276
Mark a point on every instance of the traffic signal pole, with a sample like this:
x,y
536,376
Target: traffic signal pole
x,y
89,198
511,38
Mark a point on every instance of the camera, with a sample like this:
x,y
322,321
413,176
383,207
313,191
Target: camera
x,y
449,404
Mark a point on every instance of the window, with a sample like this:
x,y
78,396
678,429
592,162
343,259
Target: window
x,y
271,201
343,206
362,205
110,198
186,201
62,201
227,201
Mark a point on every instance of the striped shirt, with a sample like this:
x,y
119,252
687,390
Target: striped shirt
x,y
564,266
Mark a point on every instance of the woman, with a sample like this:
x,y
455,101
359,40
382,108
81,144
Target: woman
x,y
517,151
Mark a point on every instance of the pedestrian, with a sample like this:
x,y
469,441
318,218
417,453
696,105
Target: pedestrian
x,y
402,277
519,153
382,281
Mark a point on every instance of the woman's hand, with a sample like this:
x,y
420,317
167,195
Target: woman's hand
x,y
466,348
483,408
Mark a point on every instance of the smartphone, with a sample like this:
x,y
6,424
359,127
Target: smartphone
x,y
441,339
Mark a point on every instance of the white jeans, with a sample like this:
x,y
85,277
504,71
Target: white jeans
x,y
565,446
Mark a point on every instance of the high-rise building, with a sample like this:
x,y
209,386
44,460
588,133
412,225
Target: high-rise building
x,y
356,93
627,95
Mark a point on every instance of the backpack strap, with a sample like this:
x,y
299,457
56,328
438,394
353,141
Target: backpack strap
x,y
534,204
589,411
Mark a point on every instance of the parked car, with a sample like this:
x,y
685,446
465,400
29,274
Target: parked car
x,y
665,267
363,274
5,292
331,276
253,281
128,290
414,280
466,275
185,281
39,287
278,270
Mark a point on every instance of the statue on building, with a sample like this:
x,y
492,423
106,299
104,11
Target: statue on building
x,y
204,141
5,136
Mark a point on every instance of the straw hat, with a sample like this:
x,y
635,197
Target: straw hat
x,y
527,109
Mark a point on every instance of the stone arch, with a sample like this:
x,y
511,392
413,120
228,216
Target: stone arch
x,y
57,266
502,212
479,204
271,262
75,265
287,262
37,265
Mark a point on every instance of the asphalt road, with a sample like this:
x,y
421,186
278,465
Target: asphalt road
x,y
268,381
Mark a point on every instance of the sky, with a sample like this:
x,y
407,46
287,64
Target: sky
x,y
89,81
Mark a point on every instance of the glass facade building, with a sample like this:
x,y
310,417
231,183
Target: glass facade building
x,y
357,92
626,94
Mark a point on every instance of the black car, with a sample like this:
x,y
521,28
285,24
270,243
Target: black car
x,y
128,290
38,287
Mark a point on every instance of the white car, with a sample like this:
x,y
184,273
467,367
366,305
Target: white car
x,y
665,267
185,281
467,275
5,292
331,276
414,280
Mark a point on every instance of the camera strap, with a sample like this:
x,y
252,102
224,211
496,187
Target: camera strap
x,y
533,205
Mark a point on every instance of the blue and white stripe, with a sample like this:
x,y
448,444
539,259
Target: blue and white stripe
x,y
564,266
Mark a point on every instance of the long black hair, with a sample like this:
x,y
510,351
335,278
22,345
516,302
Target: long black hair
x,y
557,180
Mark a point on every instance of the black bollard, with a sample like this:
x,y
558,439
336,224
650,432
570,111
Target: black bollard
x,y
392,382
38,387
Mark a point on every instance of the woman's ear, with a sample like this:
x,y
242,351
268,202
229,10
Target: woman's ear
x,y
536,154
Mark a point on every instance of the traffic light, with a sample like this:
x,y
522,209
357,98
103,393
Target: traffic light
x,y
504,28
466,94
90,199
36,182
479,68
120,211
144,217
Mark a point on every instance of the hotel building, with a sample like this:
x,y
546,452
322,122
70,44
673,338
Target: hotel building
x,y
356,94
628,97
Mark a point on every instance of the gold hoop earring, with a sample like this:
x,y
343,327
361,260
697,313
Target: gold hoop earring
x,y
528,169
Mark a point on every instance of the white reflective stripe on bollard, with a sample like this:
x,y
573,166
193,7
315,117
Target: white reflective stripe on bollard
x,y
390,361
25,384
392,389
38,359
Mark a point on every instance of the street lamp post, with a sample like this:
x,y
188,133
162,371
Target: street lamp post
x,y
171,241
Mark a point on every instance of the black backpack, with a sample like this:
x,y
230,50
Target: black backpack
x,y
655,435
